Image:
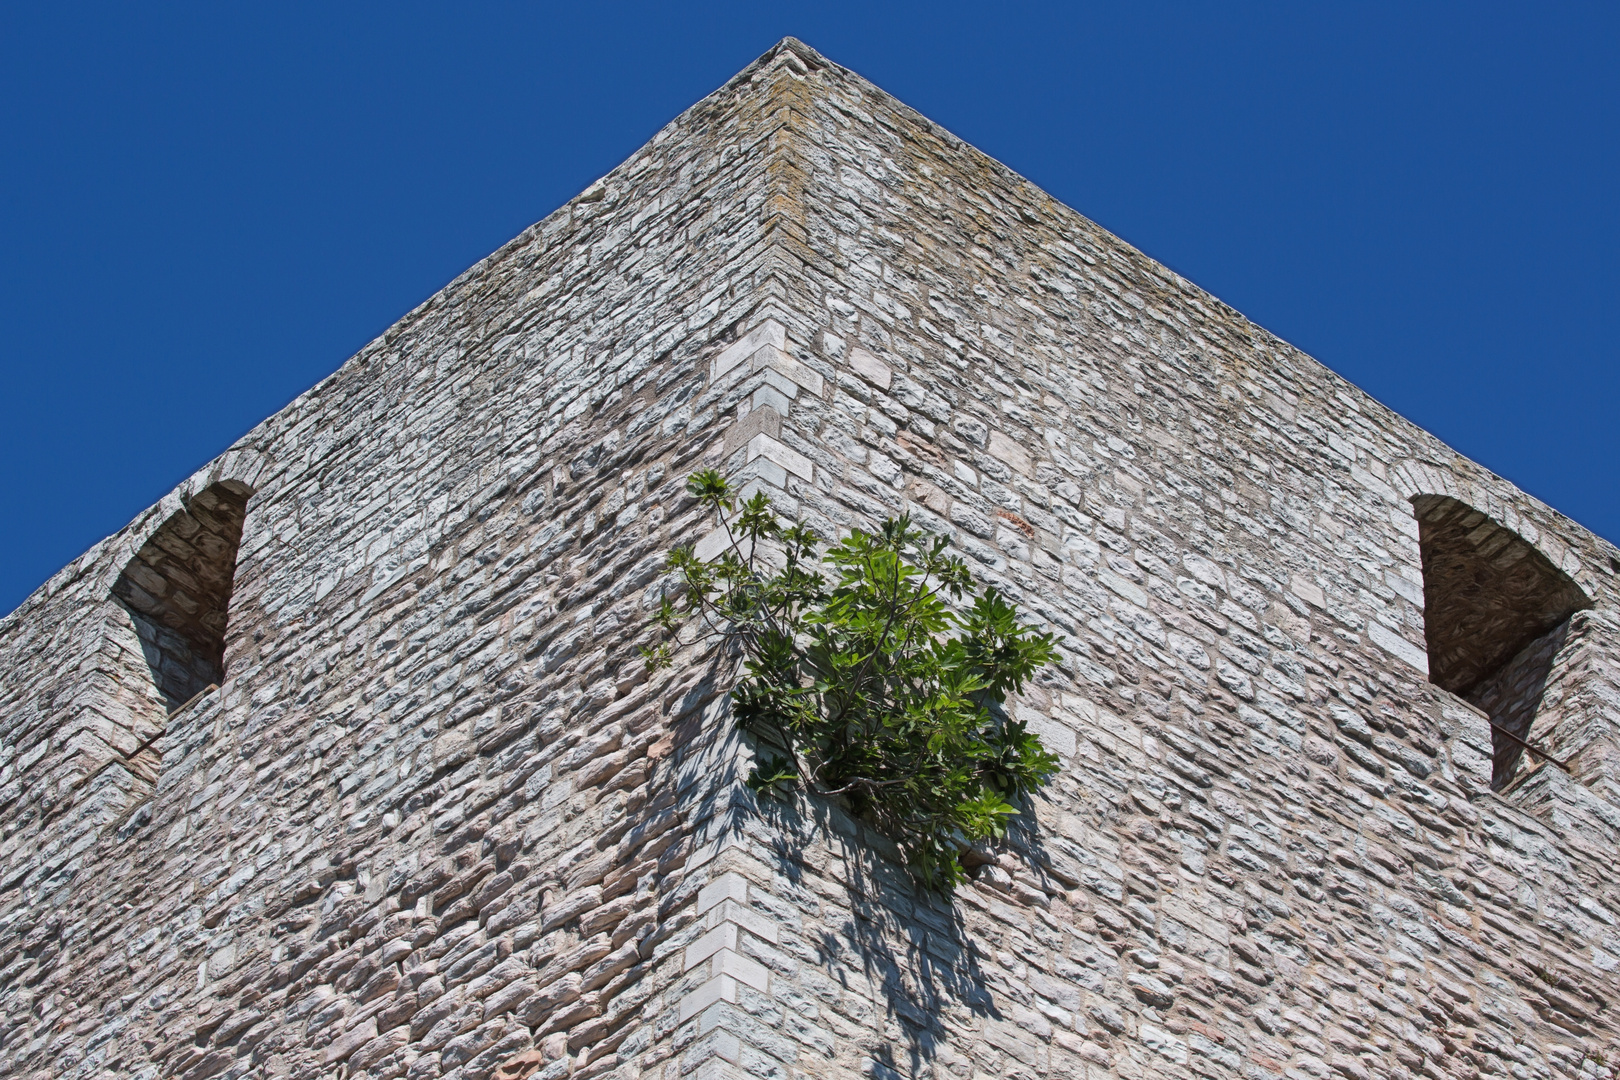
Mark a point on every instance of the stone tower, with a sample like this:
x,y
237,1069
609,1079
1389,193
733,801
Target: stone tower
x,y
341,761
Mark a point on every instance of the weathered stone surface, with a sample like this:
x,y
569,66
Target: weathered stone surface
x,y
1487,593
436,820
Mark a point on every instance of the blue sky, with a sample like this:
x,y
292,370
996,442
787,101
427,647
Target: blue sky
x,y
205,209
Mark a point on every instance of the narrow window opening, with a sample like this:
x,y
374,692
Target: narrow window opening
x,y
1496,612
177,591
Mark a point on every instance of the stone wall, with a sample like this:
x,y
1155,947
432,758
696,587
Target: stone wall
x,y
1577,723
1579,718
433,709
177,592
437,819
1512,696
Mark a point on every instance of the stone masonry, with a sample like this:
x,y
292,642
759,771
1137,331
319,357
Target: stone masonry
x,y
341,761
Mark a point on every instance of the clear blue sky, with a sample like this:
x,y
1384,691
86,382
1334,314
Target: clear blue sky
x,y
205,209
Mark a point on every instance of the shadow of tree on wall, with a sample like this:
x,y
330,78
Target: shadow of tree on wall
x,y
913,947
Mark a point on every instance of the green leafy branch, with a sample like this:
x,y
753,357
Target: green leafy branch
x,y
877,667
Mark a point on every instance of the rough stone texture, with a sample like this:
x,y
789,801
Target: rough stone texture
x,y
436,820
1512,698
177,590
1577,721
1579,718
1488,593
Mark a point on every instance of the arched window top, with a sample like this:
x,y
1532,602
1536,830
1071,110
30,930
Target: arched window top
x,y
1495,610
177,589
1487,592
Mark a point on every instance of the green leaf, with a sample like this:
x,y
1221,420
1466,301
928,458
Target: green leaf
x,y
772,776
860,660
710,488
